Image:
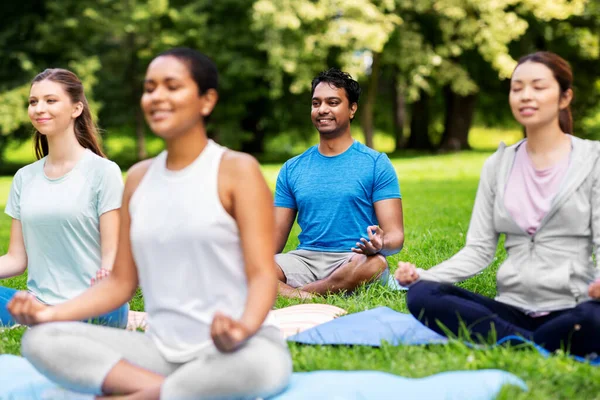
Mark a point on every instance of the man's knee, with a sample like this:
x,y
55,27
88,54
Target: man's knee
x,y
359,270
279,271
374,268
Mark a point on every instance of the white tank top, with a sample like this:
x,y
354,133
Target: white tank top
x,y
188,253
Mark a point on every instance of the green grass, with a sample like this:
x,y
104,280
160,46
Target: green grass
x,y
438,193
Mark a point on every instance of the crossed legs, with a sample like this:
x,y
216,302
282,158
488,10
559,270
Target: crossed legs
x,y
355,271
444,307
102,360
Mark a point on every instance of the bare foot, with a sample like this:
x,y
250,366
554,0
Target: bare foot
x,y
294,293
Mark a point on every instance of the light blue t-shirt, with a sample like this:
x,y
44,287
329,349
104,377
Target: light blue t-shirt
x,y
60,219
334,196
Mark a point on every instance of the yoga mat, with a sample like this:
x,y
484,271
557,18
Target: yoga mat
x,y
295,319
371,327
374,385
20,380
291,320
393,284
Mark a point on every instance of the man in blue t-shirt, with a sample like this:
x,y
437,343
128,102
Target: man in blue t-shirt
x,y
347,199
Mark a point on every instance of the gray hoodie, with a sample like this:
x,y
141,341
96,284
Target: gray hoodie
x,y
552,269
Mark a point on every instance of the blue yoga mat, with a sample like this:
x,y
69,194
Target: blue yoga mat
x,y
19,380
355,385
393,284
372,327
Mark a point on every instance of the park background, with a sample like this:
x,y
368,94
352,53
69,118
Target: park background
x,y
435,78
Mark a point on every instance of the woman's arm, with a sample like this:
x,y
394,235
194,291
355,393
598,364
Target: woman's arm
x,y
109,238
14,262
251,204
482,238
110,293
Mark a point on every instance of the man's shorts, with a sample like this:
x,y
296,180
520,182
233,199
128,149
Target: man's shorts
x,y
301,267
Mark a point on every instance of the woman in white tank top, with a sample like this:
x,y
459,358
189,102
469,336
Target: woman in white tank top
x,y
197,235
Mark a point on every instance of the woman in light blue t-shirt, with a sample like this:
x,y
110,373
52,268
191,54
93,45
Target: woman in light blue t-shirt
x,y
64,207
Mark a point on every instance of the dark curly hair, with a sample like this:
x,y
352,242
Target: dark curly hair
x,y
341,80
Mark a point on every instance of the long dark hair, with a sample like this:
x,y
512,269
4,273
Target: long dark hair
x,y
85,129
564,76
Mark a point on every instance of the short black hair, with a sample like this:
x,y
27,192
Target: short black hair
x,y
341,80
202,68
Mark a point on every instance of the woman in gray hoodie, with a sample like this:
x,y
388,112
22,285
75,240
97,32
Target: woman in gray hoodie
x,y
543,193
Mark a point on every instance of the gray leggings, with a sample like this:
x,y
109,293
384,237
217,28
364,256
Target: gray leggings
x,y
79,356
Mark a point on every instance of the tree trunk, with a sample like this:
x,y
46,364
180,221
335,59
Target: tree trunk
x,y
255,146
251,123
459,117
399,105
367,109
419,124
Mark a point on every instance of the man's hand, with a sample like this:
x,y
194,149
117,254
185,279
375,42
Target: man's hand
x,y
594,289
406,273
373,245
100,274
27,310
227,333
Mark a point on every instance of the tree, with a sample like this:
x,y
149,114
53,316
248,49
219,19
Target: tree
x,y
300,36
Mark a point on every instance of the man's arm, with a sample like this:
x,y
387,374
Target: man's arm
x,y
391,221
284,219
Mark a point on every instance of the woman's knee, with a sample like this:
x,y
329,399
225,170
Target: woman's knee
x,y
420,295
589,313
268,367
258,370
36,340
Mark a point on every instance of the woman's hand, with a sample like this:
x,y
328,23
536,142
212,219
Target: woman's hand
x,y
227,333
100,274
594,289
27,310
406,273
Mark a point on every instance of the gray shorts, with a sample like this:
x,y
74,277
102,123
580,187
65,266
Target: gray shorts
x,y
305,266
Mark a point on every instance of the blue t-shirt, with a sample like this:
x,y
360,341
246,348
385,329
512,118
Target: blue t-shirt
x,y
334,196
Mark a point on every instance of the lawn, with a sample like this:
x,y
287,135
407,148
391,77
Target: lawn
x,y
438,193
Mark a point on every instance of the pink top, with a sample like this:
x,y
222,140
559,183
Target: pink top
x,y
529,191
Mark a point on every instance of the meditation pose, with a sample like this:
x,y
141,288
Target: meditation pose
x,y
543,193
346,197
197,234
65,206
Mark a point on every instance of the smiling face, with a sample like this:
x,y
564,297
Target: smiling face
x,y
535,95
51,110
331,112
171,101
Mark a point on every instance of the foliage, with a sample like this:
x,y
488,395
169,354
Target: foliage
x,y
269,50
